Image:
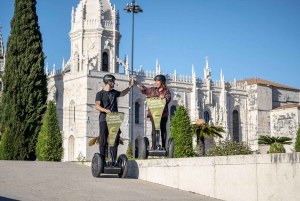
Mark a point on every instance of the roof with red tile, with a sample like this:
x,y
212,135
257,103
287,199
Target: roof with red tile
x,y
288,106
251,81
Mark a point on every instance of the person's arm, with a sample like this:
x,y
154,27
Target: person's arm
x,y
98,103
99,108
142,88
125,91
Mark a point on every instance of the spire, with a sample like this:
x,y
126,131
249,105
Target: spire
x,y
63,63
221,75
157,67
193,71
47,69
206,58
207,71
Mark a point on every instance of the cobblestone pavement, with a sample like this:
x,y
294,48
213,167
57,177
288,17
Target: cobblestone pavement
x,y
35,181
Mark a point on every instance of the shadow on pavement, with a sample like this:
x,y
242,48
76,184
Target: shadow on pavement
x,y
7,199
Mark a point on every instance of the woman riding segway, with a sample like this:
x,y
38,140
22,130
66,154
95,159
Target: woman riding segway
x,y
160,90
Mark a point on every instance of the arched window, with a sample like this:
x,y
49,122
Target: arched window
x,y
206,117
235,126
104,62
137,112
172,111
72,112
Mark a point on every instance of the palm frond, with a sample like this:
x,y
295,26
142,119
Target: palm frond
x,y
94,141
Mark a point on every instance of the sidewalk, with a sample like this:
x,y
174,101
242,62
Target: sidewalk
x,y
48,181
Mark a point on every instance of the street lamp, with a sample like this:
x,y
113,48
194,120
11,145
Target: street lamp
x,y
134,8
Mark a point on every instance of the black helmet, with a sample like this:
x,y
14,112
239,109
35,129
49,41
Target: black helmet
x,y
108,78
161,78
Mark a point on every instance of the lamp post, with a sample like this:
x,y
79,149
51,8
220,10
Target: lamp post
x,y
134,8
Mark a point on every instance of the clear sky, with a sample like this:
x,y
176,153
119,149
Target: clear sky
x,y
244,38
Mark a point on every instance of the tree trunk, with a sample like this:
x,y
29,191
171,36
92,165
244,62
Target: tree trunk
x,y
202,148
198,146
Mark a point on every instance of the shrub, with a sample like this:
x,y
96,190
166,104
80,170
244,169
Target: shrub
x,y
276,148
129,151
49,144
229,147
276,143
182,132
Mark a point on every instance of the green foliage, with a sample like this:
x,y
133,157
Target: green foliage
x,y
265,139
229,147
49,144
5,146
276,143
182,132
276,147
129,151
24,84
203,130
297,143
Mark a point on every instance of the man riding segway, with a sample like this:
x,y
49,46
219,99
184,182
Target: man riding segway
x,y
106,104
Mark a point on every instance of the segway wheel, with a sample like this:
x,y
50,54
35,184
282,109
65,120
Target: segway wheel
x,y
145,153
97,165
171,147
122,161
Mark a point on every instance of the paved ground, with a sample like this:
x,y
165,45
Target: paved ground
x,y
35,181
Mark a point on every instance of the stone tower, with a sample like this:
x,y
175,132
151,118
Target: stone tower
x,y
95,39
94,36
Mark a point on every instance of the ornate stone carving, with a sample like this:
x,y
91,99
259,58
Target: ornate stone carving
x,y
285,124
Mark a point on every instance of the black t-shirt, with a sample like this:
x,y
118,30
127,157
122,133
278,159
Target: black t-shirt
x,y
109,100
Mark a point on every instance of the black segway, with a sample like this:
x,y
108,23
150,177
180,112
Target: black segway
x,y
156,106
99,165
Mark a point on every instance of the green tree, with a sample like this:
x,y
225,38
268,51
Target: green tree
x,y
24,83
297,143
276,143
201,130
182,132
49,144
129,151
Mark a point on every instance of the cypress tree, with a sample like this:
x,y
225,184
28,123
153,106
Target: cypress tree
x,y
49,144
297,143
24,83
182,132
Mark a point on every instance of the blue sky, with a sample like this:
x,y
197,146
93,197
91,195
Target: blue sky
x,y
243,38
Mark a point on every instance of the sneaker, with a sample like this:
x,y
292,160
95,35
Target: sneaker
x,y
163,148
104,164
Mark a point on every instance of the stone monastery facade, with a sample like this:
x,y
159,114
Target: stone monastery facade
x,y
245,108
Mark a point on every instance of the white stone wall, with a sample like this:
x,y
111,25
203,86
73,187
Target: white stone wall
x,y
249,178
